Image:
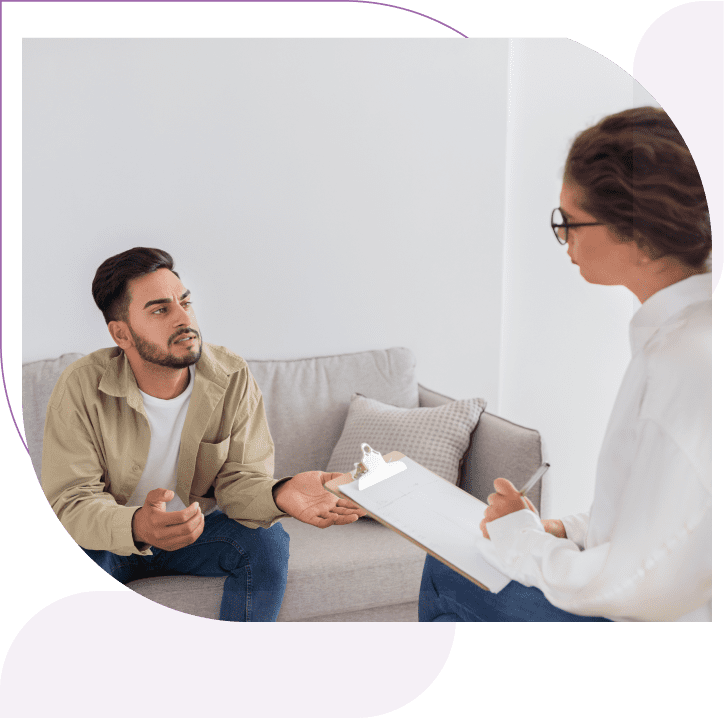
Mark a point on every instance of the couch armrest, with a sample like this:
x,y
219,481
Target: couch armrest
x,y
497,448
430,398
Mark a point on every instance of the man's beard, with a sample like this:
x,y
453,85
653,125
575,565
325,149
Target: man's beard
x,y
153,353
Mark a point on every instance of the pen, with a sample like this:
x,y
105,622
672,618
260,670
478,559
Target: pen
x,y
534,479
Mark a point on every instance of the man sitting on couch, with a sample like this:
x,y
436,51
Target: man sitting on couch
x,y
144,441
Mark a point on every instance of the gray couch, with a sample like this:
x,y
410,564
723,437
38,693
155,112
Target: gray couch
x,y
359,572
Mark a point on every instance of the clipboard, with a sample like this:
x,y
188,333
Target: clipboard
x,y
439,517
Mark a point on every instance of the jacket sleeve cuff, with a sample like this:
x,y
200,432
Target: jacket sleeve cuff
x,y
274,507
122,533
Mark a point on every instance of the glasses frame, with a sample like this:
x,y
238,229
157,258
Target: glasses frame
x,y
569,224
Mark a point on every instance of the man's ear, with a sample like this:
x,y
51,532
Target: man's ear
x,y
120,334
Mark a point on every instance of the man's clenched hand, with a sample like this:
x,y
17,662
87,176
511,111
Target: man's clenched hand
x,y
151,524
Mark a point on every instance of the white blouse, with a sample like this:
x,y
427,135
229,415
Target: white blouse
x,y
643,552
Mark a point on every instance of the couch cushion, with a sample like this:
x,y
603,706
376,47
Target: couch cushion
x,y
436,438
363,567
360,566
307,400
39,380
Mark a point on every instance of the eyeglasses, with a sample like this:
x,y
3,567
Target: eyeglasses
x,y
560,226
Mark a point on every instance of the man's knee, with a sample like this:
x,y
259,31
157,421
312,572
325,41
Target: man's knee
x,y
260,547
272,551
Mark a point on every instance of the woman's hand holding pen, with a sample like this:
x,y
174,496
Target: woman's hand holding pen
x,y
508,499
504,501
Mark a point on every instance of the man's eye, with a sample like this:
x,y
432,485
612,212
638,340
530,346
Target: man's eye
x,y
163,309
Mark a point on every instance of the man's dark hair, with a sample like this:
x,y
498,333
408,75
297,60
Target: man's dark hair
x,y
110,284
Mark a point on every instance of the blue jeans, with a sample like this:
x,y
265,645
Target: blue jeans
x,y
254,562
445,595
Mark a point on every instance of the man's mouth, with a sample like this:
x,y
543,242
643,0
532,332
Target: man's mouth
x,y
184,338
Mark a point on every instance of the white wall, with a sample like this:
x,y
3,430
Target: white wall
x,y
565,342
335,196
318,196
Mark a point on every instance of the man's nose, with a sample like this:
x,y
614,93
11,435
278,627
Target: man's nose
x,y
180,316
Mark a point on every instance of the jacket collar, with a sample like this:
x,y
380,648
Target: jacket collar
x,y
118,378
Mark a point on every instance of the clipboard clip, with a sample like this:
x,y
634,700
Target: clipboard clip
x,y
373,468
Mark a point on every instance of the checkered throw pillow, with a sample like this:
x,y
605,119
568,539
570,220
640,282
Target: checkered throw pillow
x,y
435,437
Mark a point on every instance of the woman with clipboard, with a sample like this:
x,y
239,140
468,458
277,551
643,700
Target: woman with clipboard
x,y
633,213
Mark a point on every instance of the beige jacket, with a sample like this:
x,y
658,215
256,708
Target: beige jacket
x,y
97,439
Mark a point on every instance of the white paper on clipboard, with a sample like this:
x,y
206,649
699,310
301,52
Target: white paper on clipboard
x,y
434,513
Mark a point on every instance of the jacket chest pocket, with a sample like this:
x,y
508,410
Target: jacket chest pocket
x,y
209,460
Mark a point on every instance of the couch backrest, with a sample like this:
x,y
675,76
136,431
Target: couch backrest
x,y
39,379
306,400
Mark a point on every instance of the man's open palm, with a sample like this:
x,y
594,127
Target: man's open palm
x,y
304,497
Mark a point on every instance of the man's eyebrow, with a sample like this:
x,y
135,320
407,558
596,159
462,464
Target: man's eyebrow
x,y
166,300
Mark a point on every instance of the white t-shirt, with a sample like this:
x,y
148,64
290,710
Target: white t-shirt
x,y
166,418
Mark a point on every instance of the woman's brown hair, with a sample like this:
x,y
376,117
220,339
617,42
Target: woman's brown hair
x,y
638,176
